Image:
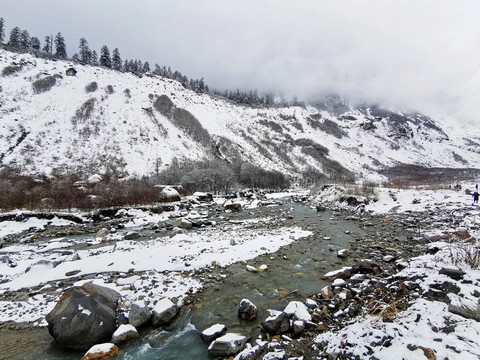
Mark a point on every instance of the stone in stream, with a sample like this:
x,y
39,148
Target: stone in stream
x,y
163,312
228,344
247,310
277,322
101,352
102,233
343,253
124,333
251,268
84,316
213,332
184,224
132,235
139,314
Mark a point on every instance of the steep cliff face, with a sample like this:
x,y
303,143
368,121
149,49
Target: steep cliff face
x,y
102,119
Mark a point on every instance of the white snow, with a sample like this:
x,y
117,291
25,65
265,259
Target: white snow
x,y
100,348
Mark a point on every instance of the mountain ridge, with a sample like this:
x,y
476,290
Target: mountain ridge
x,y
102,119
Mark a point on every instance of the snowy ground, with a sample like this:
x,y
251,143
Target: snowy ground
x,y
424,326
169,261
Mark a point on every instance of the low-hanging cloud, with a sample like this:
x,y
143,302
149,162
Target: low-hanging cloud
x,y
413,54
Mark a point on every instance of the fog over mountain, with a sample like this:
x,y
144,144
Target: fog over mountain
x,y
420,55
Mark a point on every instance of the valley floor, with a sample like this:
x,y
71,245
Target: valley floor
x,y
425,299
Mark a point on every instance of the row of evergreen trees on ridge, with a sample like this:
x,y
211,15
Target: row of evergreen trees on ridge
x,y
56,48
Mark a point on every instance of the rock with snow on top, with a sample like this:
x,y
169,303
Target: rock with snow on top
x,y
251,268
263,267
343,253
276,354
339,283
163,312
94,179
102,233
277,322
310,303
228,344
388,258
101,352
84,316
343,273
139,314
298,327
326,292
124,333
298,311
213,332
247,310
184,224
132,235
169,194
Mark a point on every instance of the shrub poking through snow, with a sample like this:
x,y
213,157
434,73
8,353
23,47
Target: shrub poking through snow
x,y
44,84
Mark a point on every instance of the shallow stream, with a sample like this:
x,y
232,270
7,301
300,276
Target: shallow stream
x,y
294,272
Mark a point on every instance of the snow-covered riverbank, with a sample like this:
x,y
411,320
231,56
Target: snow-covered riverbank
x,y
35,273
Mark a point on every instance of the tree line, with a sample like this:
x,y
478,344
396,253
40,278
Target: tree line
x,y
54,47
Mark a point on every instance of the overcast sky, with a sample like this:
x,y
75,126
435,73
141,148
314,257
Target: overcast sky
x,y
418,54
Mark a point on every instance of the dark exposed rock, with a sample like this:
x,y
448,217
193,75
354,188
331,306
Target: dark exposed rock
x,y
84,316
277,322
247,310
454,273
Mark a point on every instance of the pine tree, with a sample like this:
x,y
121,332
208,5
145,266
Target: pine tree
x,y
60,47
35,43
146,67
84,53
105,59
15,37
94,58
126,66
2,30
48,48
25,40
116,60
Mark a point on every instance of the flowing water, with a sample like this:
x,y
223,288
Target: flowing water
x,y
294,272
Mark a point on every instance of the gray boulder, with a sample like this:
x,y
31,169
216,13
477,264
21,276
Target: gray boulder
x,y
163,312
277,322
84,316
124,333
139,314
227,345
213,332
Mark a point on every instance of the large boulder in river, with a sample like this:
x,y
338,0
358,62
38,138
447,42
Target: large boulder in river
x,y
84,316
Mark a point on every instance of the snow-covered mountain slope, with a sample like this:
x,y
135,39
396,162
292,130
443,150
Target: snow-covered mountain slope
x,y
101,119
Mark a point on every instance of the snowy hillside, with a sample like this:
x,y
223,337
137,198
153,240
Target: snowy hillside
x,y
101,119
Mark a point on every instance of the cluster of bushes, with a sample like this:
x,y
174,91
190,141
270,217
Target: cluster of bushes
x,y
69,192
218,176
44,84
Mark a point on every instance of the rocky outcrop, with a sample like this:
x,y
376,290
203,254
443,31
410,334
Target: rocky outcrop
x,y
84,316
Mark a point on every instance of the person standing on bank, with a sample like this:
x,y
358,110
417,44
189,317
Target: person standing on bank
x,y
475,197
